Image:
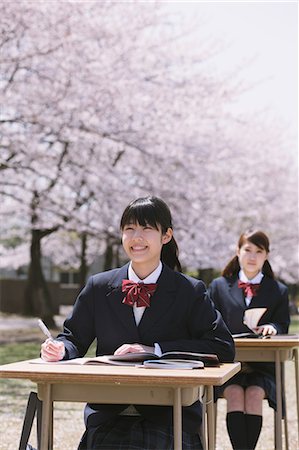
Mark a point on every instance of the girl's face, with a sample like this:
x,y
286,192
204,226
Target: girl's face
x,y
251,259
143,245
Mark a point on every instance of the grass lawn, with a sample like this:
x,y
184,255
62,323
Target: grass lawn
x,y
294,326
13,352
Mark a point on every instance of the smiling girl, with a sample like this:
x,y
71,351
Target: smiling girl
x,y
248,282
146,305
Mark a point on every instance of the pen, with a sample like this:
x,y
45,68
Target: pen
x,y
45,329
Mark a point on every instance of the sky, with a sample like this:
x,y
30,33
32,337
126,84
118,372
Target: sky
x,y
266,33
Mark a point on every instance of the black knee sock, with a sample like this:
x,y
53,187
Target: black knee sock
x,y
254,426
237,430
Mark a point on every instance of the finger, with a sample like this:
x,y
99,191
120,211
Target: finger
x,y
52,350
268,330
47,345
128,348
120,349
49,355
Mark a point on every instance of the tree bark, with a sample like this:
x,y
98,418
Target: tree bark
x,y
207,275
38,300
83,261
108,261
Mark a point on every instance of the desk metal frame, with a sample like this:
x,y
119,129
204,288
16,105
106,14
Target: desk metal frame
x,y
119,384
277,349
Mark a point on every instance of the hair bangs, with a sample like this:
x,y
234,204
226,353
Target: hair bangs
x,y
140,213
257,238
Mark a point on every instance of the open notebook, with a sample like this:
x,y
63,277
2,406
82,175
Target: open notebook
x,y
168,360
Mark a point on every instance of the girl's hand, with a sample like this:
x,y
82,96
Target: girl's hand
x,y
266,330
133,348
52,350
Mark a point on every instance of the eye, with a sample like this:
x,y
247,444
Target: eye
x,y
128,228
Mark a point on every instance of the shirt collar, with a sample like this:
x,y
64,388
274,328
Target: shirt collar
x,y
256,280
151,278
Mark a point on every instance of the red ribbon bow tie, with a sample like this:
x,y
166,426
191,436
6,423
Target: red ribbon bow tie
x,y
139,293
249,289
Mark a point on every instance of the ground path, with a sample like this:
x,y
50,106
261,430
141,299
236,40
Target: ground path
x,y
14,328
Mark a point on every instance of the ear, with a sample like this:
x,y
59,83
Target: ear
x,y
166,237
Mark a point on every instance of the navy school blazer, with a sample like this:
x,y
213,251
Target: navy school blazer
x,y
181,317
229,300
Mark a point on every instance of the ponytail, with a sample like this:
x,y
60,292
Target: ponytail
x,y
267,269
169,255
232,268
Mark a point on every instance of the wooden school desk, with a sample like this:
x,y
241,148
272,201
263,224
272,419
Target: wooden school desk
x,y
120,384
278,349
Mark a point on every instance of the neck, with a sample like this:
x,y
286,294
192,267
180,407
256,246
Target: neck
x,y
250,276
144,270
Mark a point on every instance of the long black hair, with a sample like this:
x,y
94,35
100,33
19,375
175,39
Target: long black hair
x,y
154,212
258,238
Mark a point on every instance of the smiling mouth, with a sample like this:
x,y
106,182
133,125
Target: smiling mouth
x,y
138,249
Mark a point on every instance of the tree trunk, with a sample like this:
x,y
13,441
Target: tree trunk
x,y
108,261
37,295
117,258
207,275
83,262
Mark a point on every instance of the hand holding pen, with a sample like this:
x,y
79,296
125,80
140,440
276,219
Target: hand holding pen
x,y
51,350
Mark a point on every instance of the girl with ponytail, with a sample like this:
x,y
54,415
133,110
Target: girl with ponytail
x,y
153,212
248,282
147,305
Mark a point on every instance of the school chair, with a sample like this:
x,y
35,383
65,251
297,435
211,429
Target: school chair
x,y
34,407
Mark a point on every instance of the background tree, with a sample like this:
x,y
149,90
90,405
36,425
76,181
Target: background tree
x,y
97,114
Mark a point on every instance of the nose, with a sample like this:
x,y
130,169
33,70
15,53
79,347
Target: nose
x,y
137,234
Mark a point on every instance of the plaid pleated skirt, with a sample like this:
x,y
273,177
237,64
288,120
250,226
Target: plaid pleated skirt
x,y
134,433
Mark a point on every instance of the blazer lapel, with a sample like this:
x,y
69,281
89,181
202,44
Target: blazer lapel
x,y
115,296
161,300
236,292
262,293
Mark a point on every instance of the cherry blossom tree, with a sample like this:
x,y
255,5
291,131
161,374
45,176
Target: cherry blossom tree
x,y
97,114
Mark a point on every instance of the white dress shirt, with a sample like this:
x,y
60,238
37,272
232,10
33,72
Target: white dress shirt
x,y
256,280
139,310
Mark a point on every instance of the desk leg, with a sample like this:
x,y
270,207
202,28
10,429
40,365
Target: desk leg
x,y
46,426
203,431
177,419
296,356
278,414
211,418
